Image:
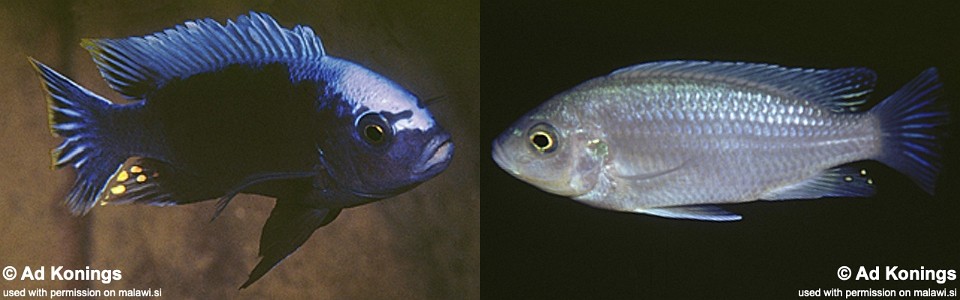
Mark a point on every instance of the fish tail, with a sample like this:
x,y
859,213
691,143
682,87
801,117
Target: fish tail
x,y
912,124
80,117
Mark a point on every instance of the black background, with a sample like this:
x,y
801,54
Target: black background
x,y
546,246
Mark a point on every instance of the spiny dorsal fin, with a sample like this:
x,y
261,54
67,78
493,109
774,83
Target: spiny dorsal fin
x,y
840,90
138,65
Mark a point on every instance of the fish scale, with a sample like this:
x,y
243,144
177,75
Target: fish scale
x,y
850,137
671,138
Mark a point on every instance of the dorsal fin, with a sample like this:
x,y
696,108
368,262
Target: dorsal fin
x,y
840,90
138,65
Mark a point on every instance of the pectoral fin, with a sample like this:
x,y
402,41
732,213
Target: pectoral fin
x,y
650,174
693,212
253,180
289,226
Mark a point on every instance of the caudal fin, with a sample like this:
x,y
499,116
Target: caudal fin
x,y
79,116
913,122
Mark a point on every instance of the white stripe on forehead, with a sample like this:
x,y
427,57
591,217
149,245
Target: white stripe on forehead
x,y
364,88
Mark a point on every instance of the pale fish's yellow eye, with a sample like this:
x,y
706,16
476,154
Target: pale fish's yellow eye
x,y
543,141
543,138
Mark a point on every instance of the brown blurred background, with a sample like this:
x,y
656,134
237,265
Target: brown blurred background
x,y
422,244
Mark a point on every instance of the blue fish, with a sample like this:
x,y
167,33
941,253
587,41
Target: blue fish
x,y
242,107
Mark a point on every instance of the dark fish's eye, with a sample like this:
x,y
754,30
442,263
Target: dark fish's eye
x,y
373,133
373,128
543,138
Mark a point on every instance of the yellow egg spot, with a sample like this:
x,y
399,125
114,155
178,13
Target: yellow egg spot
x,y
122,176
869,181
141,178
103,203
119,189
848,179
863,172
136,169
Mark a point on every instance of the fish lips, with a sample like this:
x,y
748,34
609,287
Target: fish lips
x,y
436,156
512,165
501,159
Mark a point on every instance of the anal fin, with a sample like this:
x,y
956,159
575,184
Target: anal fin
x,y
693,212
152,182
290,225
842,181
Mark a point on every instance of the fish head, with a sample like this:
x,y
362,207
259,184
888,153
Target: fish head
x,y
387,142
551,149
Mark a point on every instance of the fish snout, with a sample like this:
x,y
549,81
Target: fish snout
x,y
436,155
501,157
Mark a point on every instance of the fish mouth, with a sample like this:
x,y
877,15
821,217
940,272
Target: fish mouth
x,y
436,156
512,165
503,160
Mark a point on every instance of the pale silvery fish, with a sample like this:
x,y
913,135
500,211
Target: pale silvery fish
x,y
672,138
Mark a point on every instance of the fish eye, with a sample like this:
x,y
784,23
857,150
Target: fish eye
x,y
373,128
542,138
373,132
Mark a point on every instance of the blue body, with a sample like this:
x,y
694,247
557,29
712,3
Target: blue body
x,y
247,107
